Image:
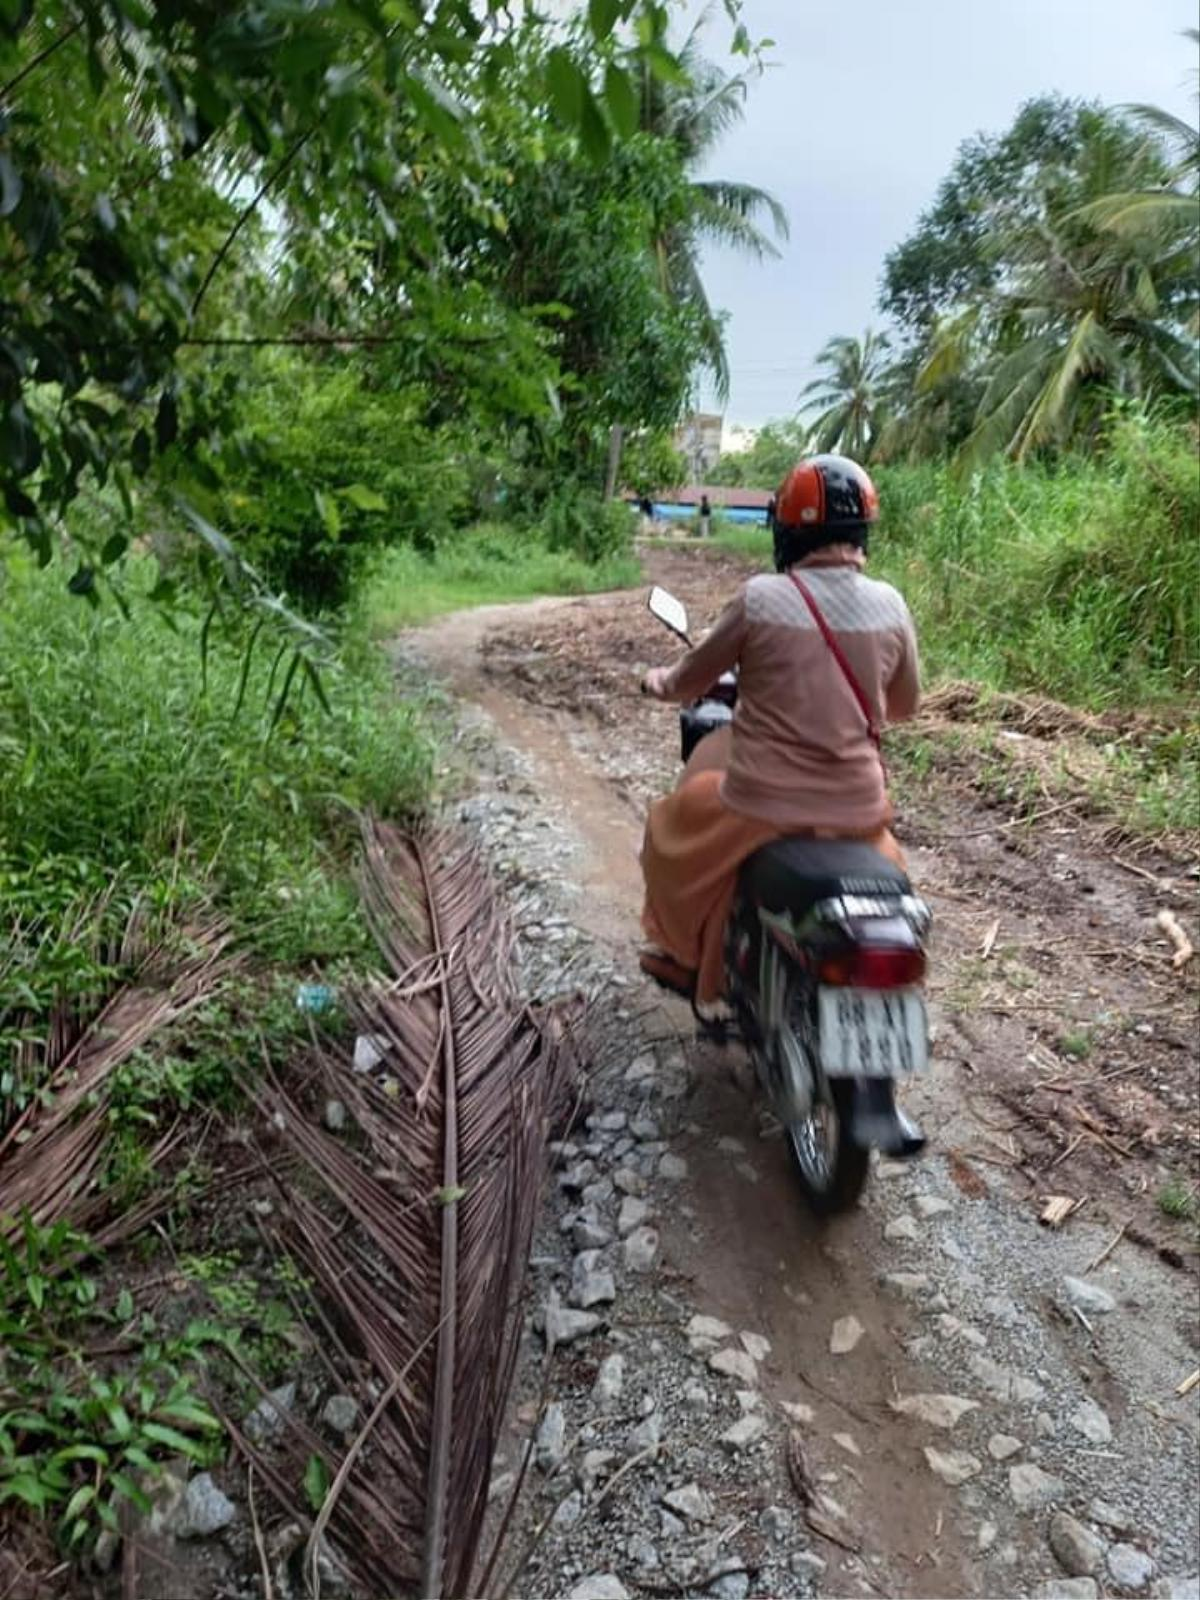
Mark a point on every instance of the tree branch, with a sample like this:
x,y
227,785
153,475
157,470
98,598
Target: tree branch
x,y
248,211
43,55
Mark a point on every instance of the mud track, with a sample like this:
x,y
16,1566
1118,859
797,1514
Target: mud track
x,y
1065,1065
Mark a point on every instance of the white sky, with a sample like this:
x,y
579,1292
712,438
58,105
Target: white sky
x,y
858,121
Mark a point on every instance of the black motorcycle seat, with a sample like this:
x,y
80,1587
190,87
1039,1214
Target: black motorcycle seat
x,y
795,874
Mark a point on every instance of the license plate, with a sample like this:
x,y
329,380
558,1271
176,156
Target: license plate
x,y
872,1033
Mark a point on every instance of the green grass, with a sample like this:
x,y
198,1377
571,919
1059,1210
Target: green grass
x,y
131,769
486,565
1177,1199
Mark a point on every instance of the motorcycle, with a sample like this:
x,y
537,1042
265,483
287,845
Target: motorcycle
x,y
825,954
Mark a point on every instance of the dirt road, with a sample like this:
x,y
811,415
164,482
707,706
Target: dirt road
x,y
1064,1066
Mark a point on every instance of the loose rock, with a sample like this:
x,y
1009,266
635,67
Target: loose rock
x,y
632,1215
707,1330
335,1116
1092,1422
775,1523
551,1447
730,1586
591,1285
568,1512
747,1430
954,1467
931,1205
902,1228
202,1511
672,1167
1079,1551
600,1586
627,1181
640,1250
690,1502
1002,1445
646,1436
847,1443
735,1364
340,1413
266,1421
1033,1489
610,1380
1129,1567
1087,1297
589,1233
755,1346
847,1331
936,1410
563,1326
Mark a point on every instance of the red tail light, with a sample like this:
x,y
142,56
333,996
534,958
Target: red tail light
x,y
872,967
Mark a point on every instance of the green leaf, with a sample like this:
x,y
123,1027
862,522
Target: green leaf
x,y
316,1482
172,1439
593,130
364,498
36,1286
81,1452
190,1411
124,1306
82,582
450,1195
621,99
113,549
328,512
82,1497
566,87
602,16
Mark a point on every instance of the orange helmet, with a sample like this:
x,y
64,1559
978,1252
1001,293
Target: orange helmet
x,y
823,500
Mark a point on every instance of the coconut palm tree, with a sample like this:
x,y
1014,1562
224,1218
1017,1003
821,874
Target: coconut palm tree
x,y
850,394
693,111
1097,295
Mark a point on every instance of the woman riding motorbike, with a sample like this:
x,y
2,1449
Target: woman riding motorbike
x,y
825,655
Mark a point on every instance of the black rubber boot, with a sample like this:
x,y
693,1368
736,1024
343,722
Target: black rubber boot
x,y
876,1119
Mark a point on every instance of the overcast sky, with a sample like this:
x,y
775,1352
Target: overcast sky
x,y
857,122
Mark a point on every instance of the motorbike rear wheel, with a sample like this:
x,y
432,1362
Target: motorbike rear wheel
x,y
830,1167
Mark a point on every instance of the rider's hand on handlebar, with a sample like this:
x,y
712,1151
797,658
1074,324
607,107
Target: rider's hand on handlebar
x,y
655,683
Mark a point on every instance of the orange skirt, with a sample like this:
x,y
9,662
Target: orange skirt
x,y
693,848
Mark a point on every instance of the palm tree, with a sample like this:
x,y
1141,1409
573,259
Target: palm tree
x,y
693,113
1097,294
1177,198
850,395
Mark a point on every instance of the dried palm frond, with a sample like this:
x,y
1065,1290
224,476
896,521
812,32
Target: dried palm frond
x,y
419,1234
51,1154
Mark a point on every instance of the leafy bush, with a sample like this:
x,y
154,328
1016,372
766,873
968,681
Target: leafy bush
x,y
330,468
581,523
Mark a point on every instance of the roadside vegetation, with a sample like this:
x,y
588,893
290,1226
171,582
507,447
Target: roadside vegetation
x,y
314,330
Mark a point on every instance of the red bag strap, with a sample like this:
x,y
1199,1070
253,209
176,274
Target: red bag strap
x,y
839,655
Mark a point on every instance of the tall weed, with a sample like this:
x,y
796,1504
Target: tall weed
x,y
126,770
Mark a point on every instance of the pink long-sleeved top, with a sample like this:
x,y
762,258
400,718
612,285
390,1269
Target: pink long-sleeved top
x,y
802,756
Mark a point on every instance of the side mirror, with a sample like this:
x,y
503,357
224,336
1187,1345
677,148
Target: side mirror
x,y
670,612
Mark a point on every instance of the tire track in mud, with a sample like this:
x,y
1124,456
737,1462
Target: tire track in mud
x,y
954,1292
